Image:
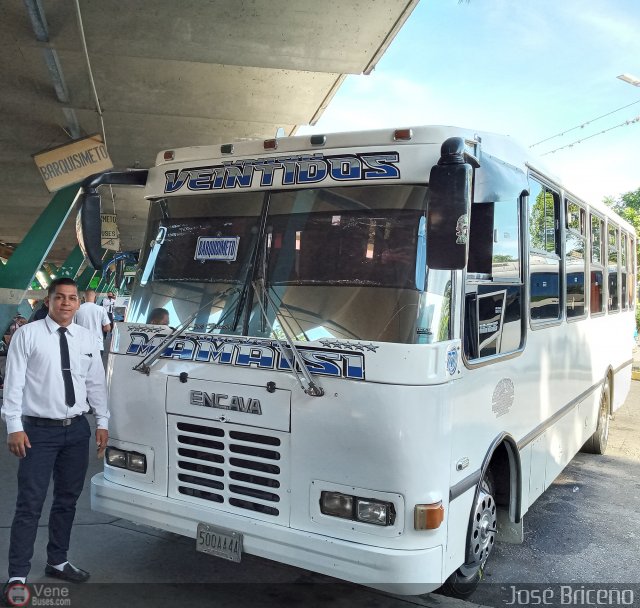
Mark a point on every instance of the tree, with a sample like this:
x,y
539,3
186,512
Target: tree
x,y
628,206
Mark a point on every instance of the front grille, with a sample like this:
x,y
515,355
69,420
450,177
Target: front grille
x,y
239,471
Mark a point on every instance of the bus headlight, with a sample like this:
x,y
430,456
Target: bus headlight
x,y
116,458
136,462
366,510
372,512
121,459
336,504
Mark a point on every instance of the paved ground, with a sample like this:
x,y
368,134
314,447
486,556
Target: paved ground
x,y
584,529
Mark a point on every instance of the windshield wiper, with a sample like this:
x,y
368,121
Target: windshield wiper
x,y
298,366
145,365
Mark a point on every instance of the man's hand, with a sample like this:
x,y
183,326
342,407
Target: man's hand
x,y
18,443
102,436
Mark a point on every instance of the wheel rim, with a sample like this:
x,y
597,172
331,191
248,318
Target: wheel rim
x,y
483,530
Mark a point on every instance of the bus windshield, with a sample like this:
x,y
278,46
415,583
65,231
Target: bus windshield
x,y
345,263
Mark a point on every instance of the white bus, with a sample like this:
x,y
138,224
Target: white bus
x,y
382,348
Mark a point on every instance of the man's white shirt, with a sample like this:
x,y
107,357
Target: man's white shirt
x,y
93,317
108,304
34,385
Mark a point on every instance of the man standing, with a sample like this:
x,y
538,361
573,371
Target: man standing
x,y
94,318
54,373
109,304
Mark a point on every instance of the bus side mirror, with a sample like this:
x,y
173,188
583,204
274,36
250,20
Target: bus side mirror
x,y
88,220
449,208
89,226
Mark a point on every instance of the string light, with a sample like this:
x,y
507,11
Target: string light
x,y
579,141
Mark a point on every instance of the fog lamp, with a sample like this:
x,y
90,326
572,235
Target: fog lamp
x,y
116,458
136,462
336,504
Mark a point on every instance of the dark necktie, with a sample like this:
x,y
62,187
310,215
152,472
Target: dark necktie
x,y
69,393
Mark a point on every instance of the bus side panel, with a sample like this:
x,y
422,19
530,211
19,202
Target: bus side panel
x,y
457,529
621,386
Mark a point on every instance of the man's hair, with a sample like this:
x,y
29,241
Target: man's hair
x,y
60,281
156,314
88,291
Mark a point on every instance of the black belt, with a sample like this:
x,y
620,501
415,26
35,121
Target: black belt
x,y
37,421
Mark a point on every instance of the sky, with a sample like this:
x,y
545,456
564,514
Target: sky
x,y
530,69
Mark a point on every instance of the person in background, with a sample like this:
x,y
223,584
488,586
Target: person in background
x,y
54,375
158,316
18,321
94,318
109,303
40,312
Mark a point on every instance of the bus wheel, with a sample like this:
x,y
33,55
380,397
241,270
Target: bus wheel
x,y
463,582
597,443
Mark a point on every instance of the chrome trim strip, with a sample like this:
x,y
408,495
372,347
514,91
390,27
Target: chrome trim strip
x,y
466,484
541,428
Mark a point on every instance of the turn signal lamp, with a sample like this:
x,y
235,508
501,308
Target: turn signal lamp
x,y
428,517
169,155
226,149
318,140
270,144
402,135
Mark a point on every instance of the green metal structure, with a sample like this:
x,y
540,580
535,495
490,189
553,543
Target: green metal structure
x,y
17,275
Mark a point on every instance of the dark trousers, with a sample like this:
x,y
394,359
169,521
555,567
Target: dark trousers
x,y
61,451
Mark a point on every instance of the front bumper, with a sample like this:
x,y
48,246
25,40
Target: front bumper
x,y
405,572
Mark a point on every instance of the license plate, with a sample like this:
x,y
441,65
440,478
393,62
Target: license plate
x,y
219,541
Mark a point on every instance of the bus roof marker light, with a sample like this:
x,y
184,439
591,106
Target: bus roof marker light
x,y
318,140
428,517
270,144
402,134
169,155
226,149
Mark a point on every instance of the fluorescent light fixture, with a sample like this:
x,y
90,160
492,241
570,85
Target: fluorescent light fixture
x,y
635,81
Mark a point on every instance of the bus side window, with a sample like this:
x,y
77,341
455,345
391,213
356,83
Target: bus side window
x,y
493,302
575,260
544,253
612,268
597,266
624,249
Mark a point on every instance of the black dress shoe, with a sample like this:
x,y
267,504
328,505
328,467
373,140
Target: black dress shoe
x,y
68,573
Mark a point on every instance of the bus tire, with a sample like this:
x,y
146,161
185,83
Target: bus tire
x,y
464,581
597,443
